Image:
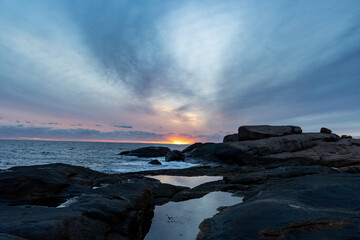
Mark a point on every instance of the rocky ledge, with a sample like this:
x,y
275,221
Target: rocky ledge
x,y
295,186
60,201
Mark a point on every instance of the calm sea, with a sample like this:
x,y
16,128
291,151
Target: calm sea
x,y
97,156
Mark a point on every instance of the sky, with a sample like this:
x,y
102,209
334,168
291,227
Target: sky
x,y
176,70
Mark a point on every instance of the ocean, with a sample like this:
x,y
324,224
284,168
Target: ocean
x,y
98,156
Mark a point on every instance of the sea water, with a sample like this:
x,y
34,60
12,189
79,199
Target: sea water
x,y
94,155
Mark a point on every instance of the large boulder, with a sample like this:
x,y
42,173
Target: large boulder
x,y
194,146
256,132
147,152
174,155
231,138
325,130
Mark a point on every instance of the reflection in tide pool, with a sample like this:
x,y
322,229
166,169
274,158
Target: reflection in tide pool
x,y
185,181
181,220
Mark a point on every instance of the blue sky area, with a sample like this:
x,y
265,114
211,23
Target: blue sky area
x,y
159,70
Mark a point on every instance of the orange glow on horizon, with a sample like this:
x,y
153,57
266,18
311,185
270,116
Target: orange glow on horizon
x,y
181,141
172,141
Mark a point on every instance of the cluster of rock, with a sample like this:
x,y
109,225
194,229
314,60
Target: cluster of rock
x,y
295,186
254,145
59,201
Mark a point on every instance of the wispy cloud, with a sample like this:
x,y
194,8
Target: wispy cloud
x,y
80,133
185,65
122,126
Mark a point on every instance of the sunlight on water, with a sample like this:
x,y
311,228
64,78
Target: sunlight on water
x,y
186,181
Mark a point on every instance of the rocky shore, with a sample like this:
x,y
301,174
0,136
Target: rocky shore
x,y
295,186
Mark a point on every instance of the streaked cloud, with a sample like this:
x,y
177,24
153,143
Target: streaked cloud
x,y
205,66
122,126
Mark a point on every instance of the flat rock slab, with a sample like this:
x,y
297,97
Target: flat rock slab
x,y
256,132
309,207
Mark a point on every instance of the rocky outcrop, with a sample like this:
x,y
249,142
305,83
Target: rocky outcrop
x,y
319,206
194,146
174,155
256,132
325,130
231,138
277,173
147,152
59,201
308,148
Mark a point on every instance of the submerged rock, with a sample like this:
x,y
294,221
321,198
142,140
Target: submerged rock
x,y
174,155
155,162
147,152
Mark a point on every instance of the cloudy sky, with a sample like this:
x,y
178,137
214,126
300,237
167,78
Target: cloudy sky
x,y
163,70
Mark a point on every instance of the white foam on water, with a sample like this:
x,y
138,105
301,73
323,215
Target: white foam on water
x,y
142,164
68,202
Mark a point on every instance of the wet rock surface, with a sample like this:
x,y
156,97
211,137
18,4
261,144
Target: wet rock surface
x,y
320,206
30,199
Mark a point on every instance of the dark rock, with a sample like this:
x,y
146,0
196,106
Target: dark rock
x,y
276,173
155,162
174,155
308,148
147,152
319,206
124,153
44,181
4,236
231,138
194,146
121,209
163,193
256,132
346,136
325,130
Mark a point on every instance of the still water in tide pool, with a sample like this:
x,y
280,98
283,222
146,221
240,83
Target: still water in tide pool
x,y
181,220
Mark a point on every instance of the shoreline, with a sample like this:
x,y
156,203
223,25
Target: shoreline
x,y
288,192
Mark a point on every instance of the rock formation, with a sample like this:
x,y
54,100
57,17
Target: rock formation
x,y
174,155
147,152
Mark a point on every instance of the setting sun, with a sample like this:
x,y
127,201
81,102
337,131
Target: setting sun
x,y
179,142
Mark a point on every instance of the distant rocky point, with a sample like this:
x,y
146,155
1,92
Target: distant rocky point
x,y
147,152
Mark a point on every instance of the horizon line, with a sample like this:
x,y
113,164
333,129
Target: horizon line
x,y
94,140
